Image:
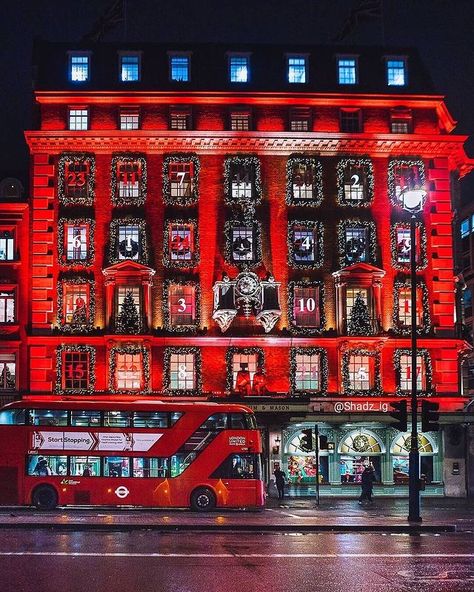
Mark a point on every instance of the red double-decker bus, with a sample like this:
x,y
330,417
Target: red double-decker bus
x,y
129,451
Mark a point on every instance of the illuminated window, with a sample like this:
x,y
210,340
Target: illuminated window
x,y
76,308
404,307
122,292
307,306
7,372
242,176
128,177
129,242
128,371
181,178
77,243
180,67
129,118
242,239
304,243
182,371
308,372
303,180
396,72
240,120
465,228
401,245
130,67
356,244
405,373
181,242
79,67
300,119
78,118
360,378
75,182
239,68
350,120
355,184
351,295
347,70
297,69
405,175
7,245
244,362
182,305
7,306
180,119
76,370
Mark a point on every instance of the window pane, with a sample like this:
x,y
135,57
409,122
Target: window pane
x,y
13,417
78,119
6,245
182,305
152,419
79,65
42,466
7,306
130,68
118,419
75,370
307,372
7,372
182,371
84,418
306,311
179,68
48,417
116,466
76,242
84,466
128,372
244,367
347,71
150,467
359,372
239,69
297,69
396,73
180,462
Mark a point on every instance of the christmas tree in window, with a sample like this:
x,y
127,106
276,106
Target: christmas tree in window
x,y
359,321
128,320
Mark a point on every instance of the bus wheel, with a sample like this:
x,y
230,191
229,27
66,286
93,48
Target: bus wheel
x,y
45,497
203,500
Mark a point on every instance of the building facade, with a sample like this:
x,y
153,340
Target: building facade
x,y
226,223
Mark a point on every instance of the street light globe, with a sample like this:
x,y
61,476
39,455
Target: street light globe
x,y
413,199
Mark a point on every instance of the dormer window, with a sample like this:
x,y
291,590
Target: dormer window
x,y
239,67
129,67
79,67
180,67
297,69
347,70
396,71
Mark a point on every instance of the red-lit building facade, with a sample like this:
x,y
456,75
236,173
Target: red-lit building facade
x,y
225,222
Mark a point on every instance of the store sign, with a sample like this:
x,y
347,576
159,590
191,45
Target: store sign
x,y
276,408
42,440
351,406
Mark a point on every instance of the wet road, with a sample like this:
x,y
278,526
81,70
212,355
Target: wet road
x,y
143,561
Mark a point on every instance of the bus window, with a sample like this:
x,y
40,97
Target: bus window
x,y
239,466
150,467
237,421
251,421
85,466
117,419
216,422
48,417
175,415
12,417
42,466
116,466
145,419
180,462
85,418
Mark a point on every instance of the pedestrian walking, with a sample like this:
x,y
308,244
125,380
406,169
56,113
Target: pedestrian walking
x,y
280,479
367,484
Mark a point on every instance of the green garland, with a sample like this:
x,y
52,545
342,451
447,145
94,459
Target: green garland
x,y
317,198
423,260
180,200
185,264
132,350
119,201
196,352
143,254
64,199
245,160
377,388
62,255
80,327
257,246
425,304
241,350
294,328
318,230
392,165
341,239
365,163
166,306
58,389
323,368
424,353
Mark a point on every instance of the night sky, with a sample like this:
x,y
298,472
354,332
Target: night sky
x,y
442,30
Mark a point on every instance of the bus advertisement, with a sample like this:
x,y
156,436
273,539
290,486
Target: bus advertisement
x,y
129,451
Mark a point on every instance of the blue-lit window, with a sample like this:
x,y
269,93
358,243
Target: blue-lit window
x,y
297,66
130,68
239,67
465,228
396,72
347,71
79,67
180,68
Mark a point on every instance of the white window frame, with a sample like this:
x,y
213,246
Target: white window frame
x,y
183,55
299,67
129,54
245,57
396,75
78,118
344,67
79,54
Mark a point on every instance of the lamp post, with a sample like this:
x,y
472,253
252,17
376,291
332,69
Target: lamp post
x,y
412,200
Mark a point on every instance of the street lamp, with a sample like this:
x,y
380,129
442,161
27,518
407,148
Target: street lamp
x,y
412,200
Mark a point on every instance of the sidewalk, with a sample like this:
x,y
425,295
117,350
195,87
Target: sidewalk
x,y
293,515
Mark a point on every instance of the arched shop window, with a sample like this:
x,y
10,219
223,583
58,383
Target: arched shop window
x,y
357,450
300,466
400,450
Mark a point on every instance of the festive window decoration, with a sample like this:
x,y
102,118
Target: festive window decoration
x,y
181,179
243,246
402,308
76,304
361,372
181,243
8,300
182,371
304,181
308,371
306,307
359,318
7,244
76,242
242,182
128,240
401,245
129,369
357,240
402,444
76,175
424,372
75,369
361,442
404,174
305,244
129,180
7,371
129,317
182,305
243,364
355,182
